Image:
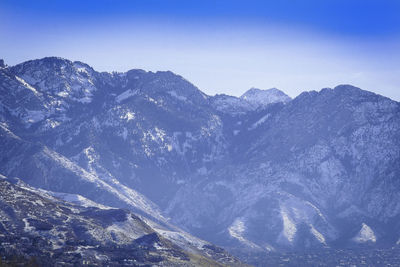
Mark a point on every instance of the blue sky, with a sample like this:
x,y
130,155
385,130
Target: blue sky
x,y
220,46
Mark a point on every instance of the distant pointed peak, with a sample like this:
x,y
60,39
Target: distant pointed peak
x,y
263,97
255,90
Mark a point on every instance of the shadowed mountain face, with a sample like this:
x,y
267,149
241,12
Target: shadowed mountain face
x,y
259,172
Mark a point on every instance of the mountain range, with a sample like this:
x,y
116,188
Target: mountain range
x,y
260,173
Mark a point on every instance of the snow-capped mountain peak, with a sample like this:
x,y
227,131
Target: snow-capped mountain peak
x,y
261,98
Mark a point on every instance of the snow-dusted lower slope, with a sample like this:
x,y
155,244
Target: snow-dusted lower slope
x,y
55,232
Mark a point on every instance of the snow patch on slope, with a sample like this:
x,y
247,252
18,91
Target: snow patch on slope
x,y
125,95
366,234
180,97
237,230
289,227
77,199
27,85
259,122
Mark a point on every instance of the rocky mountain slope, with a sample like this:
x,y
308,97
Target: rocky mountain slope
x,y
36,225
315,172
262,172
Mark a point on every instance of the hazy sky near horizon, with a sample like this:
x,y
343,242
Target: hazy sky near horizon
x,y
220,46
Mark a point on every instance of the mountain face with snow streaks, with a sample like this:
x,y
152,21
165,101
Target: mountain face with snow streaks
x,y
260,172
